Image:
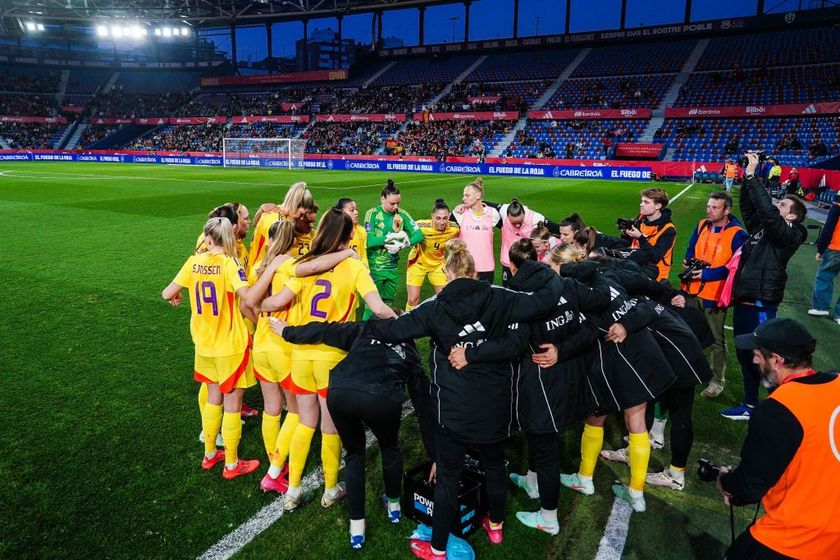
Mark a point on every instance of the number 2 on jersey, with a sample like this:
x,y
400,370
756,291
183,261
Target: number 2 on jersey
x,y
326,290
205,292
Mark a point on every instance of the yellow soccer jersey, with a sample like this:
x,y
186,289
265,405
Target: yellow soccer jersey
x,y
264,339
329,297
359,243
259,243
217,326
430,253
303,242
241,250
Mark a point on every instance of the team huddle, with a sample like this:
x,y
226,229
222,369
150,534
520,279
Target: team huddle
x,y
585,326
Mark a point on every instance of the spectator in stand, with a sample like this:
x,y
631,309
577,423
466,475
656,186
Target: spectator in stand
x,y
817,148
828,255
792,185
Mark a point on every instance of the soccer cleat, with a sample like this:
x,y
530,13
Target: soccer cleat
x,y
665,480
623,493
248,412
522,482
713,389
209,463
493,530
818,312
357,542
219,441
741,412
242,467
279,484
837,320
534,520
423,549
393,516
574,482
333,495
618,455
292,499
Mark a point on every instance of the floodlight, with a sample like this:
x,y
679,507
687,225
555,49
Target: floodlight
x,y
116,31
185,31
40,27
167,32
30,26
157,32
101,30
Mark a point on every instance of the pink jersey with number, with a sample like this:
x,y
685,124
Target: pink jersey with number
x,y
511,234
477,233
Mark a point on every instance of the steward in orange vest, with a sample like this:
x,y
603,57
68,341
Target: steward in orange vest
x,y
791,456
653,241
714,243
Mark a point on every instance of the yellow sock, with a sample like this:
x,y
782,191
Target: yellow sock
x,y
590,446
330,458
270,429
202,397
284,439
211,421
298,451
231,434
639,455
408,306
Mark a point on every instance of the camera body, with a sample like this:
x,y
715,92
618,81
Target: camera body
x,y
692,264
762,156
707,471
624,223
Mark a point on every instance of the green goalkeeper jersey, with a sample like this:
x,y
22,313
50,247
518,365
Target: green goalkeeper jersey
x,y
378,224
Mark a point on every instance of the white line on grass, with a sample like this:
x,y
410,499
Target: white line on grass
x,y
236,540
615,533
679,194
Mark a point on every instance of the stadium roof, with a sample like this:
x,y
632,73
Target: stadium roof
x,y
199,13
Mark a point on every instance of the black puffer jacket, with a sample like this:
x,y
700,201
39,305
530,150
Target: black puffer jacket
x,y
473,403
762,274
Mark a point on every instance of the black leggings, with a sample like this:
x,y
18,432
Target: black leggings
x,y
349,409
544,459
679,402
450,463
746,547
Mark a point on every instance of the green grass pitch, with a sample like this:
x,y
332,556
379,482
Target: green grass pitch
x,y
99,417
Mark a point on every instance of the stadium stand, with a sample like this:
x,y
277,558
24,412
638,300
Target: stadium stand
x,y
195,138
611,92
27,104
514,96
779,48
522,66
452,138
425,70
32,136
576,139
636,58
348,138
28,79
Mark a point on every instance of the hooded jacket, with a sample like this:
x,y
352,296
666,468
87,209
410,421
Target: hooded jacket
x,y
474,403
762,274
660,251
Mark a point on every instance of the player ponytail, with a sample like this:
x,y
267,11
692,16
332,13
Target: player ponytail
x,y
389,189
540,233
522,250
220,231
342,202
515,208
281,236
227,212
565,253
478,186
298,196
440,205
459,263
573,221
586,239
334,230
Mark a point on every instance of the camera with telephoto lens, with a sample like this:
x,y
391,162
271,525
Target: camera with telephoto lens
x,y
624,224
692,264
744,161
707,471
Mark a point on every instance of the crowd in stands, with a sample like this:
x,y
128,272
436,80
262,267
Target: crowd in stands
x,y
573,139
348,138
42,105
424,70
118,103
29,79
389,99
513,96
195,138
778,48
31,136
453,138
523,66
264,130
95,133
244,104
635,58
611,93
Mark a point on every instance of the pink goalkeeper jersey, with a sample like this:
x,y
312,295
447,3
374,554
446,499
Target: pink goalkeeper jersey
x,y
477,233
511,234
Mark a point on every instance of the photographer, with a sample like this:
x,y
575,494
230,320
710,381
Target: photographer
x,y
786,460
653,233
712,243
776,232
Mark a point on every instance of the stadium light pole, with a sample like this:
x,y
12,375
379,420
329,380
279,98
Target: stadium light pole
x,y
233,47
305,54
421,31
269,47
537,27
515,19
379,28
568,14
687,18
454,20
623,15
467,21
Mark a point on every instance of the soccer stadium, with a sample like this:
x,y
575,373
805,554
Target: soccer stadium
x,y
667,172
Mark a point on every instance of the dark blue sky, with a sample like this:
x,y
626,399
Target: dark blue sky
x,y
492,19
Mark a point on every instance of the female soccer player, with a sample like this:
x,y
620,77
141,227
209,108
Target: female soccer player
x,y
330,296
389,230
215,279
627,369
359,242
427,257
542,240
477,222
297,202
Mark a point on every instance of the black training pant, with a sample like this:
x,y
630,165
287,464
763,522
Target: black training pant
x,y
545,450
746,547
349,410
450,462
679,402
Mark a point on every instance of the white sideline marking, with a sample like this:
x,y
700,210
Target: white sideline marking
x,y
15,174
615,533
679,194
236,540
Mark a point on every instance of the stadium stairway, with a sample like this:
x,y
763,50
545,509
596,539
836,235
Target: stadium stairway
x,y
121,137
458,80
62,86
552,89
506,140
376,75
110,83
71,140
670,97
4,144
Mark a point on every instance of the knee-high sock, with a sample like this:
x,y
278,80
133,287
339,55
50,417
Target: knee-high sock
x,y
408,306
211,421
590,446
639,455
330,458
270,429
231,434
660,413
202,397
298,451
284,439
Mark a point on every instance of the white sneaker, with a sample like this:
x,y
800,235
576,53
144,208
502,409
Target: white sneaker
x,y
713,389
837,320
618,455
334,494
575,482
219,441
665,480
818,312
636,502
522,482
292,498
